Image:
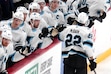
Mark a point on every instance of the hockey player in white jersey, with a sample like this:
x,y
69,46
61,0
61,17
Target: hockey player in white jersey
x,y
96,9
33,7
77,47
25,26
23,10
38,24
46,16
6,38
74,5
63,7
55,13
19,36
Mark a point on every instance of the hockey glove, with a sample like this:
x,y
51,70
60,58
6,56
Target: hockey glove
x,y
84,9
70,20
103,15
60,27
44,33
92,65
54,32
18,48
25,50
91,24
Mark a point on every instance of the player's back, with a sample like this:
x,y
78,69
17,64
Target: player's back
x,y
74,37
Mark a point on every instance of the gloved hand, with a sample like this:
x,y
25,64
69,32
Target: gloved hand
x,y
70,20
18,48
54,32
60,27
92,65
4,72
44,33
91,24
25,50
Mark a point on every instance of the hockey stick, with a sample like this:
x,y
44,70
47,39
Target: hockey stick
x,y
94,71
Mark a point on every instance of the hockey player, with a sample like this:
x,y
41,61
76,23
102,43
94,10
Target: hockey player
x,y
6,38
77,47
19,36
96,9
63,7
23,10
74,5
25,26
38,24
33,7
55,13
46,16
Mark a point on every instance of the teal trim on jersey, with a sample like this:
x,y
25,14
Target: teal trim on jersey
x,y
34,29
50,27
89,43
78,54
73,53
22,24
55,11
13,28
12,56
42,12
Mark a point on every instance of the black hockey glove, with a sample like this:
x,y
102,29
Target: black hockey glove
x,y
4,72
18,48
60,27
103,15
91,24
44,33
92,65
70,20
84,9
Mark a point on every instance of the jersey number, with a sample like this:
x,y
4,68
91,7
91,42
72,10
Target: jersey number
x,y
72,40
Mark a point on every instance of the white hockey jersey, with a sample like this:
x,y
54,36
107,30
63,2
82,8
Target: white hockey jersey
x,y
95,6
56,15
27,28
3,56
77,38
63,7
48,18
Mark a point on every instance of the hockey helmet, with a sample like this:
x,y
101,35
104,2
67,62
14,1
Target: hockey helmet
x,y
21,9
82,18
18,15
4,27
7,34
34,5
39,1
53,0
35,16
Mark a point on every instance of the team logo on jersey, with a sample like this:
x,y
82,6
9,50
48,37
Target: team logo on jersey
x,y
57,17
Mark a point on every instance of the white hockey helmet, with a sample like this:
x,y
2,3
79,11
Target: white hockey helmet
x,y
82,18
34,5
4,27
35,16
7,34
53,0
21,9
39,1
18,15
